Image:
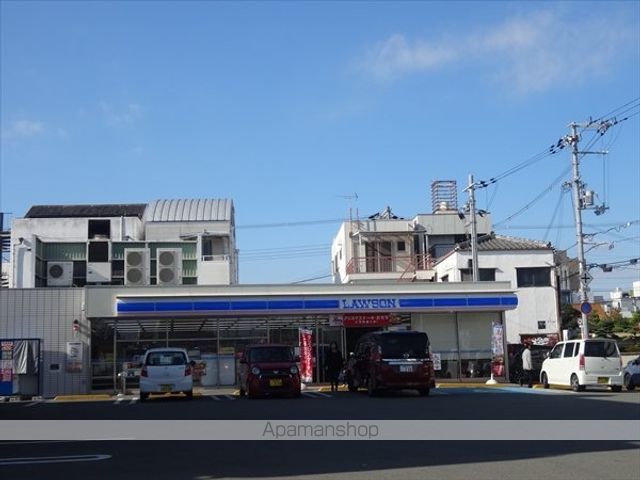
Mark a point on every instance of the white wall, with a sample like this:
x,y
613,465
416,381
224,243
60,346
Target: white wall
x,y
451,224
534,303
341,249
48,314
217,272
72,229
23,253
173,231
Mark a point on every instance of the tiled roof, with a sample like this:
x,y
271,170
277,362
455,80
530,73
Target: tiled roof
x,y
76,211
195,210
493,242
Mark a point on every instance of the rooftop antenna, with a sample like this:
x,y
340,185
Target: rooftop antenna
x,y
351,199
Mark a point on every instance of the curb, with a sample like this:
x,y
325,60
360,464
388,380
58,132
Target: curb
x,y
82,398
553,387
471,385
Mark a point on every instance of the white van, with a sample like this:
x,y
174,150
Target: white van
x,y
166,370
582,363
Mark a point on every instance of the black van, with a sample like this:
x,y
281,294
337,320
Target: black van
x,y
393,360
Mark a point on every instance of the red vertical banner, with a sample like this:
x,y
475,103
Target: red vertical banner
x,y
306,354
497,348
6,368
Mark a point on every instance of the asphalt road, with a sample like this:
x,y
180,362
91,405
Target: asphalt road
x,y
512,403
442,460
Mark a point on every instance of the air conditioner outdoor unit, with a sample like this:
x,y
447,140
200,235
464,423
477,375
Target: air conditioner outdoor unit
x,y
169,266
59,274
136,266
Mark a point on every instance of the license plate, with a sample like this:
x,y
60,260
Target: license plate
x,y
275,382
603,380
166,388
406,368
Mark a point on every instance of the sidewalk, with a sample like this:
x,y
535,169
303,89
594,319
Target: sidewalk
x,y
107,395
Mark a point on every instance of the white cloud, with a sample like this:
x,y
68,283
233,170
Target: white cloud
x,y
19,129
395,57
121,118
528,53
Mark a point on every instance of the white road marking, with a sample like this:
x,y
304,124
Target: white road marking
x,y
230,397
213,397
28,442
118,401
32,404
61,459
134,400
309,394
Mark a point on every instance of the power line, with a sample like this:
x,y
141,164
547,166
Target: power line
x,y
555,213
286,249
291,224
557,180
312,279
542,227
616,109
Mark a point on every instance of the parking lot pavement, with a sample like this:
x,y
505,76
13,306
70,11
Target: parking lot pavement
x,y
322,392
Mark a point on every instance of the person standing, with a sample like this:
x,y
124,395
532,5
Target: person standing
x,y
527,365
334,365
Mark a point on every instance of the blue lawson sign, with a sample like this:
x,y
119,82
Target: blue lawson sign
x,y
158,306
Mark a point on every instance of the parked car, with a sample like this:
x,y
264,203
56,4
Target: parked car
x,y
392,360
538,355
583,363
269,369
166,370
632,374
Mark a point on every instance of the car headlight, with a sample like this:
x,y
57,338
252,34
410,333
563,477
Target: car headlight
x,y
293,370
255,371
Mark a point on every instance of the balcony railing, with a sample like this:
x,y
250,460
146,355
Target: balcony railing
x,y
215,258
389,264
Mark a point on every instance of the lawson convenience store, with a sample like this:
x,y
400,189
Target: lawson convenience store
x,y
464,321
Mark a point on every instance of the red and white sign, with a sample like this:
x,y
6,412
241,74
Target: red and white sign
x,y
548,340
306,354
366,320
6,362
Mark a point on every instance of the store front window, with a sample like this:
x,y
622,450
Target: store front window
x,y
460,343
215,344
474,334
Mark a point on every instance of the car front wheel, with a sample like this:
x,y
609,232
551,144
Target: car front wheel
x,y
545,381
628,383
616,388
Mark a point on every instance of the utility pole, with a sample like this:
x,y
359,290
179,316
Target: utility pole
x,y
474,230
576,184
582,200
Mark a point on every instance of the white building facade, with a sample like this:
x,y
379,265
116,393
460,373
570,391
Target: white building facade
x,y
384,247
529,267
175,242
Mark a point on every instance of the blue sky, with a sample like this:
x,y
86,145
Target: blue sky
x,y
289,107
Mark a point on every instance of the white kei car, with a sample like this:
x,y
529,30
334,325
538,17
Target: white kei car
x,y
582,363
166,370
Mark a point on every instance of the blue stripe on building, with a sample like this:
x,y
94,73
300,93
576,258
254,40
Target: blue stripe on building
x,y
126,306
